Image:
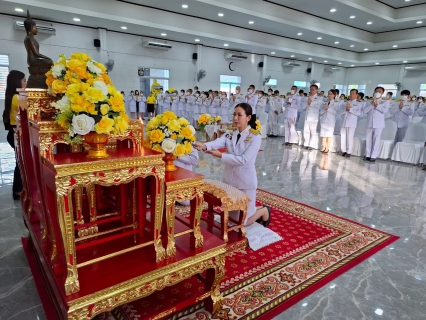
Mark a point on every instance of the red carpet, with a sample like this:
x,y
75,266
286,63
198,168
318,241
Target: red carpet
x,y
316,248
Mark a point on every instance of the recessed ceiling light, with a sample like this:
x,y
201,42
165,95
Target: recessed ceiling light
x,y
339,63
366,49
405,61
395,46
369,22
419,22
76,19
352,65
377,63
273,52
185,6
325,61
124,27
309,58
164,34
333,10
251,22
352,45
226,44
319,38
352,17
197,40
220,14
300,33
337,42
292,56
19,10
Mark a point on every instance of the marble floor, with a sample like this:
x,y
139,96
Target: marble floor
x,y
388,196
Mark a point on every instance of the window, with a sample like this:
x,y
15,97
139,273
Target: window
x,y
4,71
359,87
389,88
300,84
272,82
229,83
422,90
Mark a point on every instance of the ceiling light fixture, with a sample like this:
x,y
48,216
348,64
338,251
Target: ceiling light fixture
x,y
226,45
251,22
124,27
185,6
339,63
292,56
366,49
405,61
319,38
377,63
300,33
369,22
419,22
333,10
197,40
273,52
352,65
325,61
352,45
395,46
164,34
19,10
220,14
309,58
352,17
76,19
337,42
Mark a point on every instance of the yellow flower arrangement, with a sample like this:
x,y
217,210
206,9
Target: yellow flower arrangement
x,y
217,119
258,128
168,133
88,99
155,88
204,120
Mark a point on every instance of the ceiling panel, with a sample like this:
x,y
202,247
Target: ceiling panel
x,y
401,3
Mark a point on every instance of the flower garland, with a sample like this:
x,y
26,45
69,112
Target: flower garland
x,y
89,101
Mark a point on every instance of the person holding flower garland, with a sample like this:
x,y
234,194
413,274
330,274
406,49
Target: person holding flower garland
x,y
243,145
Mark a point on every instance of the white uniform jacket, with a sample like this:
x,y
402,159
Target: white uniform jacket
x,y
239,98
224,107
276,104
188,161
216,106
166,102
239,161
376,115
252,101
206,106
292,104
350,118
190,103
421,112
261,105
198,105
402,116
312,110
328,117
160,97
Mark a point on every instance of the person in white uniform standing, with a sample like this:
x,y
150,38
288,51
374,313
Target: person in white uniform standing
x,y
224,108
198,102
261,103
182,105
312,108
421,112
131,101
189,102
215,106
375,111
276,106
160,98
175,102
328,120
238,97
251,99
291,104
402,113
352,111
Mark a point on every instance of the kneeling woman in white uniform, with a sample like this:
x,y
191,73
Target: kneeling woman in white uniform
x,y
242,147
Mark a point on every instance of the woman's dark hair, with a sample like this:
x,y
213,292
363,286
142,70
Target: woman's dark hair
x,y
14,79
249,112
333,92
137,92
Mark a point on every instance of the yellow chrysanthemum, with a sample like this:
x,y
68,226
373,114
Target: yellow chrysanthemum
x,y
120,124
94,95
106,125
164,120
170,115
117,104
179,150
59,86
173,125
80,56
92,109
188,147
156,136
183,122
104,109
174,136
74,64
79,104
152,124
186,132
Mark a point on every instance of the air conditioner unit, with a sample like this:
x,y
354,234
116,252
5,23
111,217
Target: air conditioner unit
x,y
42,28
156,45
416,67
235,56
332,69
291,64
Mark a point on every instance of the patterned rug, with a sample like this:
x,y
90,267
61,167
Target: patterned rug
x,y
316,248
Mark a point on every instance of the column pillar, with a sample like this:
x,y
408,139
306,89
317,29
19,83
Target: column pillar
x,y
103,50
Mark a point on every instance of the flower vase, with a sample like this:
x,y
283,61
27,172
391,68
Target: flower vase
x,y
169,159
97,143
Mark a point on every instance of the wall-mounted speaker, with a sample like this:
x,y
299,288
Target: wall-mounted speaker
x,y
260,65
309,70
97,43
194,56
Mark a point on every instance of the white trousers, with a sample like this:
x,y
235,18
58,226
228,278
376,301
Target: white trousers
x,y
182,113
309,134
347,139
290,130
273,123
400,134
251,193
373,142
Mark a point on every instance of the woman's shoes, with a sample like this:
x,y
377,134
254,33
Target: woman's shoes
x,y
16,196
267,222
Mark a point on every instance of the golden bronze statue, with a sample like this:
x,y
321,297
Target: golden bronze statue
x,y
38,64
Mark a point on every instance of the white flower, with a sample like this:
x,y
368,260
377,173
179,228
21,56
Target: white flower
x,y
192,129
62,104
168,145
101,86
83,124
57,70
92,68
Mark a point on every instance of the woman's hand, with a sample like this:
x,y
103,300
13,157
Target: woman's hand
x,y
199,146
215,153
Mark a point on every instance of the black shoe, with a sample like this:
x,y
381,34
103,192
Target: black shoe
x,y
347,155
16,196
267,222
372,160
367,159
424,167
344,154
309,148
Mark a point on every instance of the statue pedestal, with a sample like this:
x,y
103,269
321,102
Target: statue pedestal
x,y
38,77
